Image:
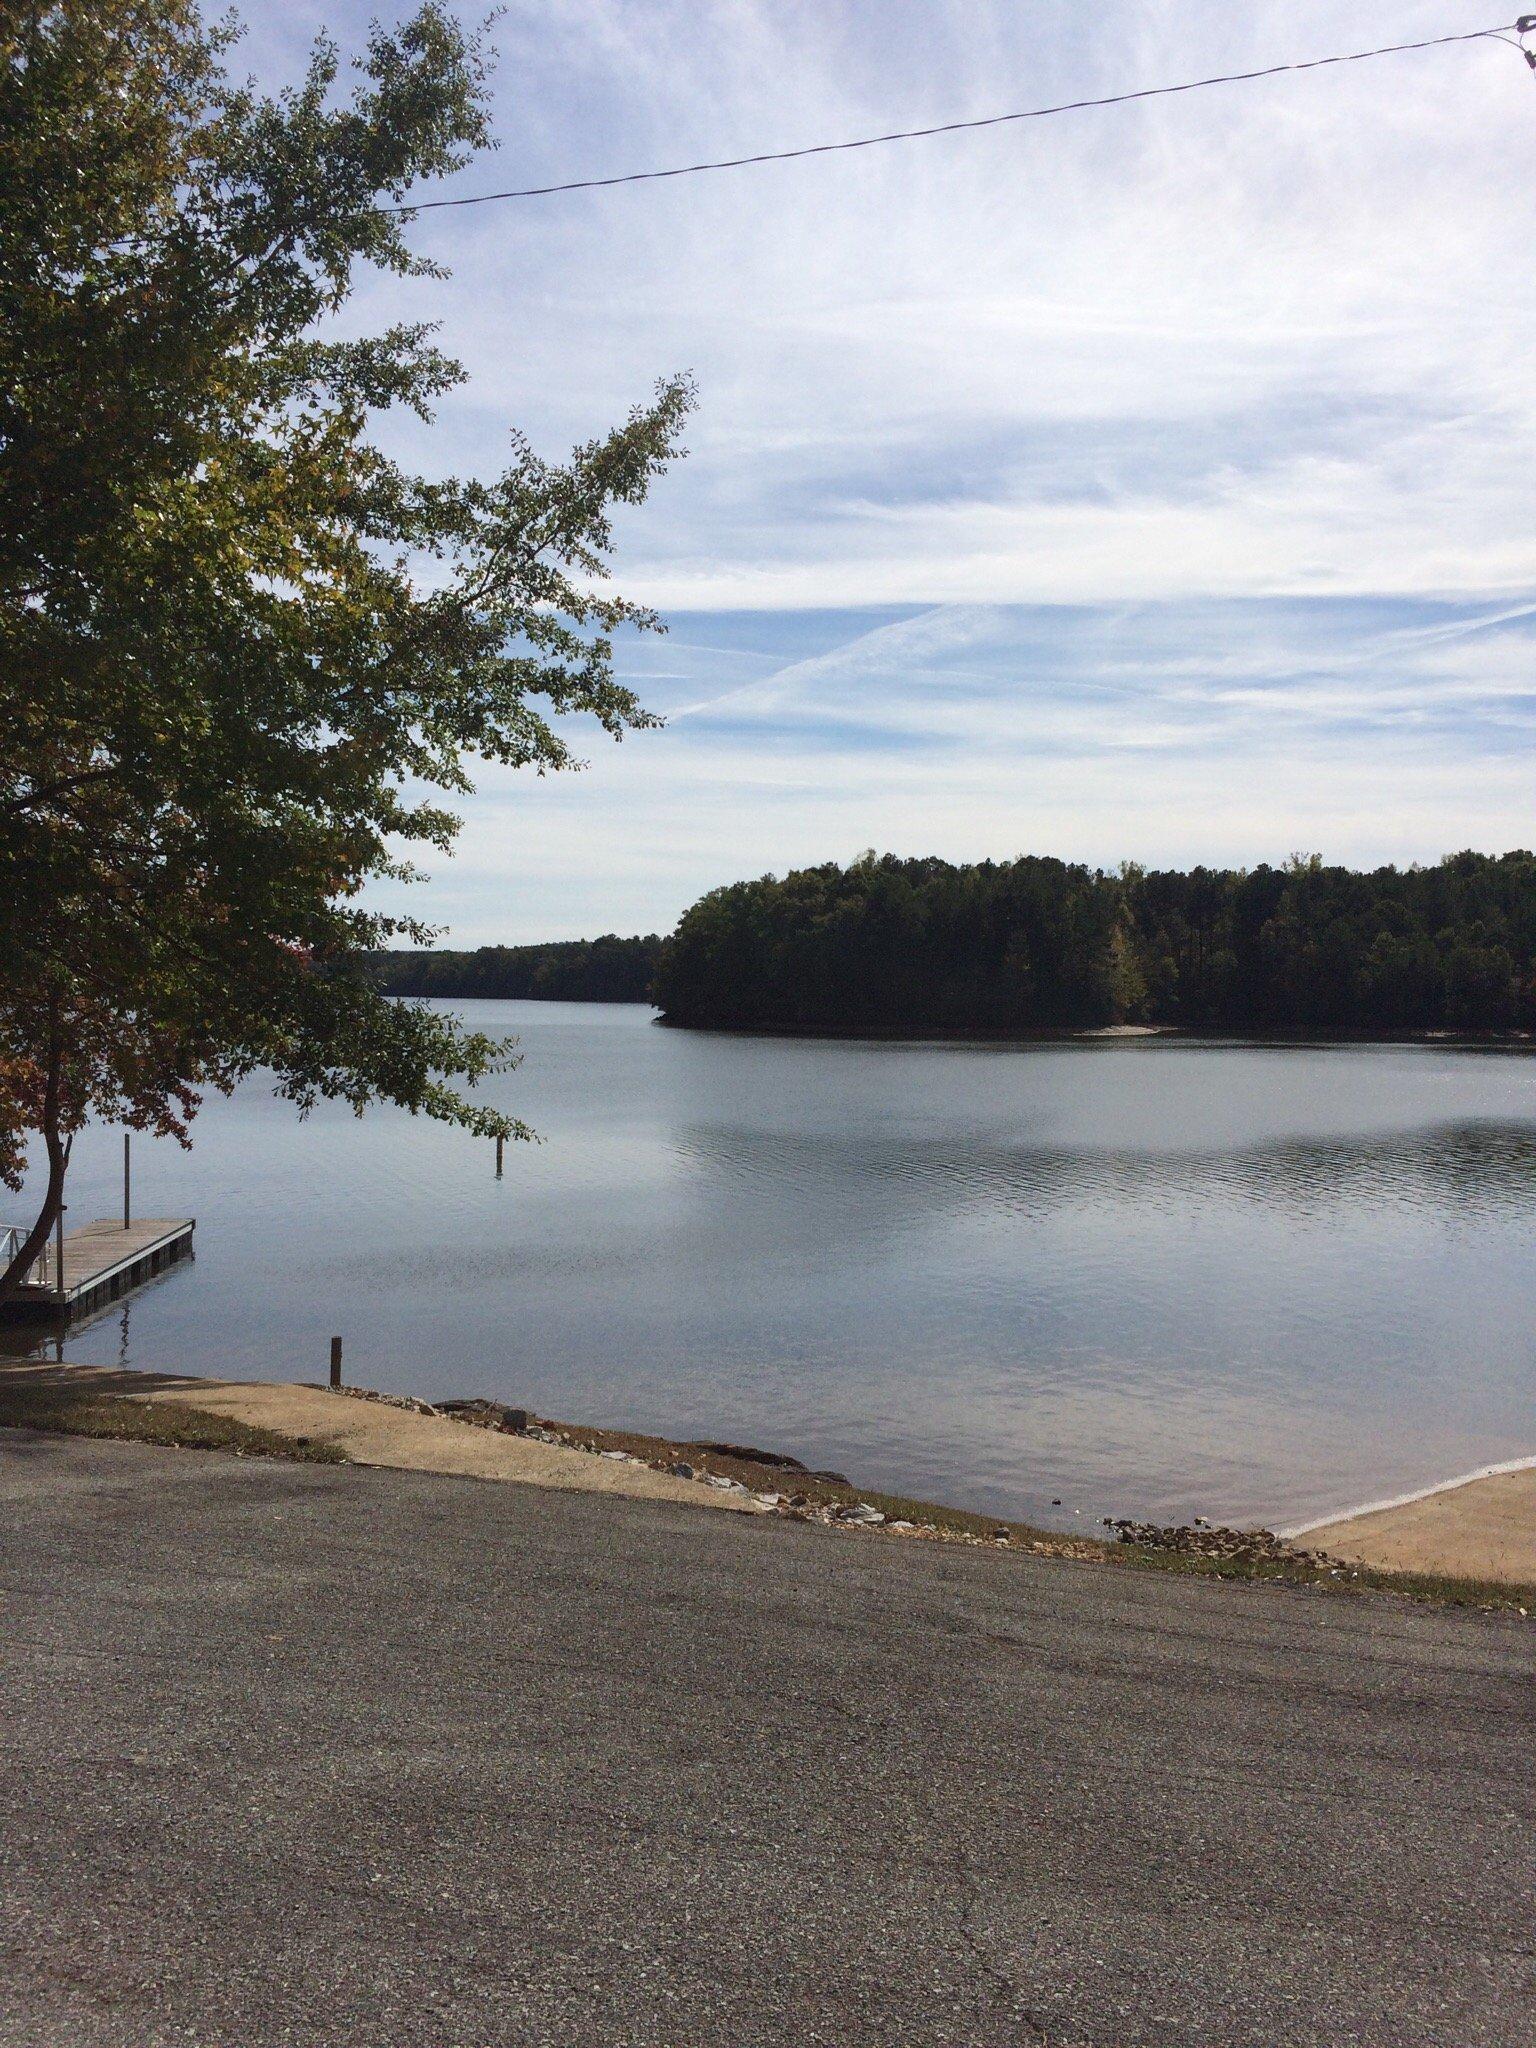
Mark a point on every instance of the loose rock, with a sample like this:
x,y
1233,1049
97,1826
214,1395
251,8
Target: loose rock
x,y
750,1456
1200,1539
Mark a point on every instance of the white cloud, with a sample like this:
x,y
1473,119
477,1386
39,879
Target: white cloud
x,y
1269,278
1268,336
1152,429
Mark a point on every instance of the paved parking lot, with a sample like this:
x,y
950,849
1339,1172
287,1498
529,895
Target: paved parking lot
x,y
324,1756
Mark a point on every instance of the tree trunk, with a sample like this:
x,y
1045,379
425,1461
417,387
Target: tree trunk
x,y
58,1147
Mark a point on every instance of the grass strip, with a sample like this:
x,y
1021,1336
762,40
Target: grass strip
x,y
126,1420
1332,1575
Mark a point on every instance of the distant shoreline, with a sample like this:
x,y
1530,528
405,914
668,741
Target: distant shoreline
x,y
1097,1034
1111,1034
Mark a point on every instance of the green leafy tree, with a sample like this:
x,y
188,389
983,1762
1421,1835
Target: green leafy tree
x,y
247,660
1040,945
605,970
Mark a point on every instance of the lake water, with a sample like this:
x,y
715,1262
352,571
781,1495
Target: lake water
x,y
1136,1277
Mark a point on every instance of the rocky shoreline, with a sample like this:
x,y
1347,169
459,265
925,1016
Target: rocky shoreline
x,y
762,1482
829,1498
1207,1539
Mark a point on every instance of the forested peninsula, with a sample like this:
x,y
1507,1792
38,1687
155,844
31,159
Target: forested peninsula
x,y
1039,945
605,970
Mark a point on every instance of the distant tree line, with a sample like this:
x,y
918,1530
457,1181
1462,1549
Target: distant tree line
x,y
912,946
605,970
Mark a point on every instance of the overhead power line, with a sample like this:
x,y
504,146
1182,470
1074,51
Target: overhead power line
x,y
1522,27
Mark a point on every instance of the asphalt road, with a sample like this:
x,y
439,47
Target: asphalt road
x,y
327,1756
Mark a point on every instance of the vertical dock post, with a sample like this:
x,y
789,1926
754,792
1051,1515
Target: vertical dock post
x,y
335,1361
500,1143
127,1187
58,1253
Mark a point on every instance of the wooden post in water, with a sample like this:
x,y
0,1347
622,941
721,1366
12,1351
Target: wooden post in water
x,y
500,1142
335,1361
127,1187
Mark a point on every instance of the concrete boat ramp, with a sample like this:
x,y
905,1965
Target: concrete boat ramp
x,y
101,1261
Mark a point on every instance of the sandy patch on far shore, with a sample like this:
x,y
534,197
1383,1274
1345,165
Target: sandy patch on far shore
x,y
1480,1529
376,1433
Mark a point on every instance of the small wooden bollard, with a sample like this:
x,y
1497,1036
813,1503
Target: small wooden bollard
x,y
335,1361
500,1143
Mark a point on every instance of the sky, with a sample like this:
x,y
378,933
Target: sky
x,y
1156,483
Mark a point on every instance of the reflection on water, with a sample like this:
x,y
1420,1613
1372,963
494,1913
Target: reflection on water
x,y
1471,1167
1149,1278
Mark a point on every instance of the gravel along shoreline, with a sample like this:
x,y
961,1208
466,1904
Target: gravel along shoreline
x,y
760,1482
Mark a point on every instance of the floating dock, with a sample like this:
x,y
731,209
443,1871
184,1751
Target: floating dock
x,y
101,1261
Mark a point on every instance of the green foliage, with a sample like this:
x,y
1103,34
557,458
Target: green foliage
x,y
1038,945
243,652
605,970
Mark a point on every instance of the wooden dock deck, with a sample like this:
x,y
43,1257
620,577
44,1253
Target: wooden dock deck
x,y
101,1261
